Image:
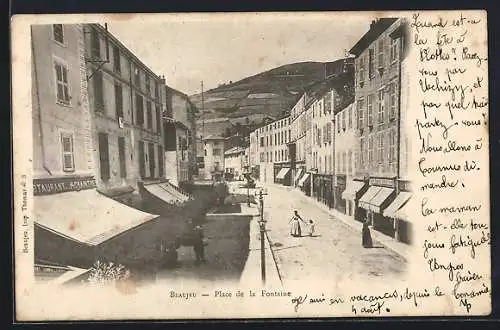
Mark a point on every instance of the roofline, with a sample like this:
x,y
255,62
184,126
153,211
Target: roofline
x,y
375,30
127,50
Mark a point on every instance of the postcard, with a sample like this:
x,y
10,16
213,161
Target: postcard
x,y
251,165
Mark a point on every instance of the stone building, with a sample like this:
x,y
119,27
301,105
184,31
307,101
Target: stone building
x,y
71,216
280,136
180,129
297,144
125,105
235,163
328,99
254,154
378,90
213,148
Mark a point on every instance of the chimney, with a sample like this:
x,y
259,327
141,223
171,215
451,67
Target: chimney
x,y
162,79
373,23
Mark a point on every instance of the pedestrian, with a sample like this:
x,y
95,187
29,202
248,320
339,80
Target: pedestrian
x,y
311,228
366,235
295,229
198,244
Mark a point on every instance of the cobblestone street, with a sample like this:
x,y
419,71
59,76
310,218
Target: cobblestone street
x,y
334,252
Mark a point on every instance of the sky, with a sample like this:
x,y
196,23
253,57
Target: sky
x,y
219,48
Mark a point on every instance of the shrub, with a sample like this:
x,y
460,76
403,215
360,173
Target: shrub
x,y
107,273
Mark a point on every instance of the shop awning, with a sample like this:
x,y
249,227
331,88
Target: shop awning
x,y
364,201
297,176
86,216
303,179
352,189
376,202
282,173
398,202
402,213
165,192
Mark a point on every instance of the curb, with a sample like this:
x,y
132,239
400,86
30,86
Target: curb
x,y
272,272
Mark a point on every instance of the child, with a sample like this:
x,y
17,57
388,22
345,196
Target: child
x,y
311,228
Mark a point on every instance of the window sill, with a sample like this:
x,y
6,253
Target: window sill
x,y
61,44
63,104
69,171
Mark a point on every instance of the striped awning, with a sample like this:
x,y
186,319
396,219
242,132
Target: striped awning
x,y
282,173
400,200
303,179
299,173
352,189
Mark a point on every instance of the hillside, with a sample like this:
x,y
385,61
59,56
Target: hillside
x,y
268,93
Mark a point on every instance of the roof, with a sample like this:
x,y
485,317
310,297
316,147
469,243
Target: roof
x,y
214,137
114,39
183,95
338,82
376,29
234,150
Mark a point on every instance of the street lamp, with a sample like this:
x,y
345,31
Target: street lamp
x,y
262,226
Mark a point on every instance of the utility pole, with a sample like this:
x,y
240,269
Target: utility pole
x,y
202,112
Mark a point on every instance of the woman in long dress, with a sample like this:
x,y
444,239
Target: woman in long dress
x,y
366,235
295,229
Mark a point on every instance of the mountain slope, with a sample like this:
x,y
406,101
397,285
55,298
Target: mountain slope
x,y
268,93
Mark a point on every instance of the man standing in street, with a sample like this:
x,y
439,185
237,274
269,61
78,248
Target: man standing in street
x,y
198,244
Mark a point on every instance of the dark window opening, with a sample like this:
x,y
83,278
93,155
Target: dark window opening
x,y
121,155
104,156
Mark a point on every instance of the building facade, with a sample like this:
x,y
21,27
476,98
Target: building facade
x,y
73,220
235,163
214,148
254,154
297,145
62,123
378,83
125,103
270,142
180,129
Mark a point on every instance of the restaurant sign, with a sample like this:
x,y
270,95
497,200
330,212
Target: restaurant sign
x,y
58,185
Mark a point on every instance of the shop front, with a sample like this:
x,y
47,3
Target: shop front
x,y
396,211
283,175
304,183
298,174
323,189
380,194
340,187
352,193
72,218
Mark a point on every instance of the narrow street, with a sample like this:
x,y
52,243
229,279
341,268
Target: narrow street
x,y
334,252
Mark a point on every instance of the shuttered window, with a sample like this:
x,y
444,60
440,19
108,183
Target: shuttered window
x,y
68,159
58,32
104,156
